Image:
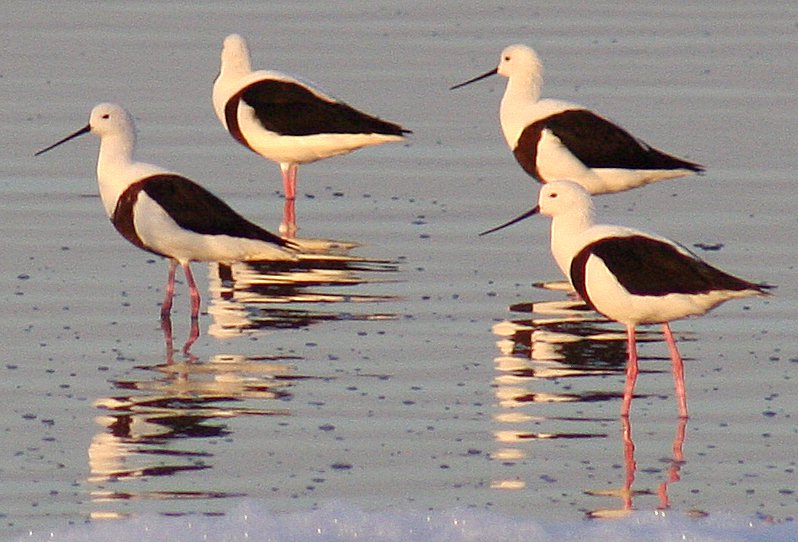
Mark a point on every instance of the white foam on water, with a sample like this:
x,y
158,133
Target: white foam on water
x,y
252,520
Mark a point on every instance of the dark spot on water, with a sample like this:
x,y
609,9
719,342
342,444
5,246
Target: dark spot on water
x,y
708,246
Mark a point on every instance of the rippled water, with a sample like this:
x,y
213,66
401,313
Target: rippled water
x,y
428,371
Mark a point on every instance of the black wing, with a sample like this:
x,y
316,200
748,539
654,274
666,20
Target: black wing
x,y
650,267
195,208
598,143
289,108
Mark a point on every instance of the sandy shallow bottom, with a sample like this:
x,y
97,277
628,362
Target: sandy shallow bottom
x,y
430,373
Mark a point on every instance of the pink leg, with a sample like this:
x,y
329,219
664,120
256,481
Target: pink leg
x,y
289,189
166,326
288,227
631,370
629,462
678,370
289,180
166,307
192,288
192,338
677,461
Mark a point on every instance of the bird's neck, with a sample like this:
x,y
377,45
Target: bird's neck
x,y
521,94
236,66
523,88
566,231
115,168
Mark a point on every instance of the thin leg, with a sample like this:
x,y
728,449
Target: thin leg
x,y
288,227
678,370
192,338
289,180
289,189
192,288
677,460
166,326
629,462
166,307
678,442
631,370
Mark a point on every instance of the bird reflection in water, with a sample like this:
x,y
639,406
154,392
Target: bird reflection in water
x,y
562,340
252,296
626,494
163,422
556,357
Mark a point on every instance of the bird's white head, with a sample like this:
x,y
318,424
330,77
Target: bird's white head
x,y
562,197
520,61
557,199
116,169
235,57
521,65
111,119
107,120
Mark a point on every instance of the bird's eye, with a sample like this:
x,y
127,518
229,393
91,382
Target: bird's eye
x,y
106,116
553,195
507,58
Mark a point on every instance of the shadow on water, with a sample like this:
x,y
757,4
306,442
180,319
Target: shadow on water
x,y
554,361
164,422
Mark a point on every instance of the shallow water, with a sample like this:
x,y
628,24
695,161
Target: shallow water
x,y
402,380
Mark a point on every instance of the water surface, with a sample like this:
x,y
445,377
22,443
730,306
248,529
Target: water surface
x,y
403,380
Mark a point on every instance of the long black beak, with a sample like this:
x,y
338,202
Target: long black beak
x,y
85,130
494,71
533,211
